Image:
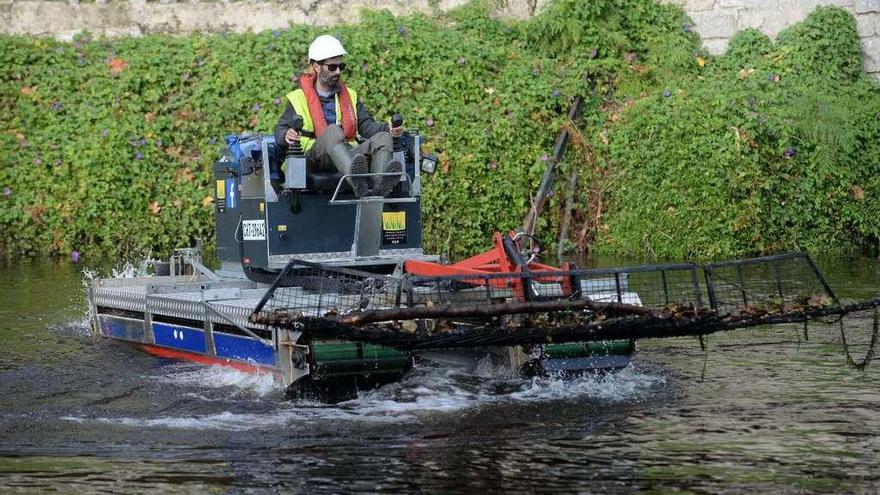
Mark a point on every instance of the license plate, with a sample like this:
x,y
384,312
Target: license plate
x,y
253,230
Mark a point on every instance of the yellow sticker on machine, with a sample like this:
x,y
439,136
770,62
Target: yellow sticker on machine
x,y
393,220
221,189
393,227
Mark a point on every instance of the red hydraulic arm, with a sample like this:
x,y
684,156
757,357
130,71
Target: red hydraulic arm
x,y
502,259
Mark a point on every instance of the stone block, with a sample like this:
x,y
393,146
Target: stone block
x,y
770,22
868,24
716,46
864,6
715,24
693,5
871,49
783,5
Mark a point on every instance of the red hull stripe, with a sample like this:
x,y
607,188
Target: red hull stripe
x,y
198,358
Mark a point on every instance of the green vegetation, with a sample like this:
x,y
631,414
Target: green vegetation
x,y
772,147
108,143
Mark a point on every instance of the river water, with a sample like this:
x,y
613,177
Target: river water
x,y
763,411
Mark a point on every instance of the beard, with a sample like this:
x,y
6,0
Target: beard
x,y
329,81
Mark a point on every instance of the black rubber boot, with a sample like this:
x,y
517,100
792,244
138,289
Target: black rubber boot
x,y
382,185
341,155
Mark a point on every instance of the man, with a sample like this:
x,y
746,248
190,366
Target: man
x,y
332,116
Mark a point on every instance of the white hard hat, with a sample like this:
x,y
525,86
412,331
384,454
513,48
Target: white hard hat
x,y
324,47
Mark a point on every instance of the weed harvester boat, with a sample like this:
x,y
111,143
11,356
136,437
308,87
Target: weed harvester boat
x,y
332,293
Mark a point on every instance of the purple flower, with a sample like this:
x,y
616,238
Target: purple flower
x,y
255,108
790,153
429,122
7,191
544,157
402,31
276,101
80,60
58,162
493,165
74,256
667,93
686,28
138,156
57,105
37,161
594,53
555,93
213,140
24,143
630,57
104,133
276,33
142,142
461,60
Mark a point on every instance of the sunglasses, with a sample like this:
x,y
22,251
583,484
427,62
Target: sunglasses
x,y
334,67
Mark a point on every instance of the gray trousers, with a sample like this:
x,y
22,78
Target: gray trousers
x,y
333,135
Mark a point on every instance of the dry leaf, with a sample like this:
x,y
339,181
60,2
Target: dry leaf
x,y
858,193
173,151
154,207
150,117
184,174
36,213
207,201
27,91
117,65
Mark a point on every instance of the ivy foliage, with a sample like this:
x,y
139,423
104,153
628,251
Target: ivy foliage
x,y
771,147
108,143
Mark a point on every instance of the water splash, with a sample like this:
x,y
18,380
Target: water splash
x,y
426,392
235,383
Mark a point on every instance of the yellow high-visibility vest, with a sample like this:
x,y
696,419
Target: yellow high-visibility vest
x,y
300,104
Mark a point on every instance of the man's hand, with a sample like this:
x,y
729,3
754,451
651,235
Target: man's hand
x,y
291,136
395,131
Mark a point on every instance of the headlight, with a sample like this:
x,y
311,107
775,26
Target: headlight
x,y
429,164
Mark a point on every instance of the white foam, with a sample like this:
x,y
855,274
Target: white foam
x,y
239,383
427,391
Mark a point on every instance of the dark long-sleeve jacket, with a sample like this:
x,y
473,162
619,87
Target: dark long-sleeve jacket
x,y
366,125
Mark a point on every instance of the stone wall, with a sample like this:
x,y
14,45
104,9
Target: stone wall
x,y
716,20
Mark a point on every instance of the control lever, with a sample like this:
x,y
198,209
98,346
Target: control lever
x,y
397,121
295,154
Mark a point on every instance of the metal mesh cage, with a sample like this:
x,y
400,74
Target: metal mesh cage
x,y
773,284
652,286
305,289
